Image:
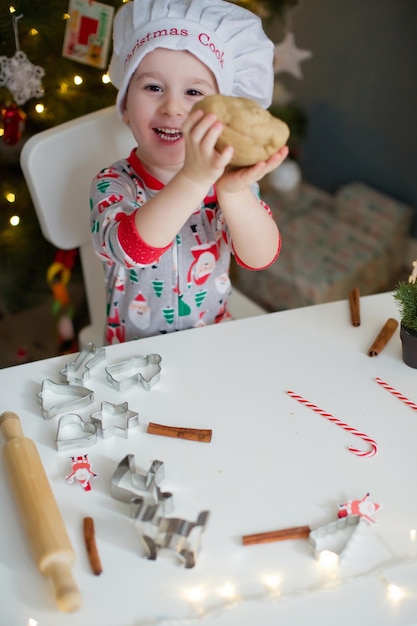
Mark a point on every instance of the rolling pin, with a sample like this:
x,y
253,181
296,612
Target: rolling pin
x,y
39,511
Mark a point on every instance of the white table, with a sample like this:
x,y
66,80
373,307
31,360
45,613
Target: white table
x,y
272,463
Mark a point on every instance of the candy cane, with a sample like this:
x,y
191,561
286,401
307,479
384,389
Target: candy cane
x,y
396,393
373,445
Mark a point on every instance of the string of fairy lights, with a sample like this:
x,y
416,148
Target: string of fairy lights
x,y
204,604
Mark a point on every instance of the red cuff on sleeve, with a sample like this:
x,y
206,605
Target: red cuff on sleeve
x,y
133,244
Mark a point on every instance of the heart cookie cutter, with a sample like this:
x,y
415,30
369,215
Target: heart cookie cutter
x,y
82,433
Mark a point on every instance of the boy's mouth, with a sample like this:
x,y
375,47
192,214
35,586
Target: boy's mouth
x,y
168,134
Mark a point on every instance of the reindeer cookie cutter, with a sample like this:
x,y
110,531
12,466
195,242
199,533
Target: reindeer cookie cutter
x,y
156,530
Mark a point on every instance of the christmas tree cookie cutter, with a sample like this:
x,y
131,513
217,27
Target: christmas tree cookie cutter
x,y
156,531
56,398
143,369
334,537
78,372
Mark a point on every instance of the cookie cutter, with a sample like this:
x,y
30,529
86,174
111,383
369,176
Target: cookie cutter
x,y
156,531
114,411
334,537
58,398
82,433
78,372
124,374
173,534
140,507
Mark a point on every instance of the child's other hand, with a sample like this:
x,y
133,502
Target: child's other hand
x,y
237,179
203,163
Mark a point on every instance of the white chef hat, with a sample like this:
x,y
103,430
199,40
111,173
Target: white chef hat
x,y
228,39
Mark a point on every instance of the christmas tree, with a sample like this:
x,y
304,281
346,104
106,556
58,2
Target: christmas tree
x,y
53,88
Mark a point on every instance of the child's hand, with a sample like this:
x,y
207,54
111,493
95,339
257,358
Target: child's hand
x,y
203,163
237,179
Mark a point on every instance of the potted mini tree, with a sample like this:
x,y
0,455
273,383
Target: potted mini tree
x,y
406,296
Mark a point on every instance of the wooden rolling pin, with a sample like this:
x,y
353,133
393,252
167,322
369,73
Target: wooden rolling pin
x,y
39,511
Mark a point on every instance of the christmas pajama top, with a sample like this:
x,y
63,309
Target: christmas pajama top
x,y
151,291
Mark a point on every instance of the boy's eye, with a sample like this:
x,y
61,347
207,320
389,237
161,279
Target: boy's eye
x,y
194,92
153,88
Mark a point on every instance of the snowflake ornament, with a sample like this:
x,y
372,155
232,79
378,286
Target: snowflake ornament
x,y
21,77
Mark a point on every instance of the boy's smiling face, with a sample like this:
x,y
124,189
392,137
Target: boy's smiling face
x,y
161,93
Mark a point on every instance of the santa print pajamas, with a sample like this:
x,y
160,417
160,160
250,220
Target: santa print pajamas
x,y
157,290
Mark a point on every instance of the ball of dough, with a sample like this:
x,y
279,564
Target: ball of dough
x,y
253,132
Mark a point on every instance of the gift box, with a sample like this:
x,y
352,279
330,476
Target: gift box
x,y
383,218
329,246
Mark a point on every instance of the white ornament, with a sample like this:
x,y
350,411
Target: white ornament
x,y
21,77
286,177
288,57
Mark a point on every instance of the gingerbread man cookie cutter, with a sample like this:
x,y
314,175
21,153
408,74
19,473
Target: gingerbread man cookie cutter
x,y
143,369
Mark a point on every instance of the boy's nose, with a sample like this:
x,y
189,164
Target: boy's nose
x,y
172,105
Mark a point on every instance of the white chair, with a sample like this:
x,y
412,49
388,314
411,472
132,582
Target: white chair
x,y
59,165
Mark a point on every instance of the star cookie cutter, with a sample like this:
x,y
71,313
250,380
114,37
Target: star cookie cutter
x,y
74,432
126,480
58,398
144,369
120,413
78,372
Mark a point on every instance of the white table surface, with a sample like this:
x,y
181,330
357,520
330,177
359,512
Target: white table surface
x,y
272,463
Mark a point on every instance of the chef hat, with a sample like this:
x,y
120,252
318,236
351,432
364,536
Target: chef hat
x,y
228,39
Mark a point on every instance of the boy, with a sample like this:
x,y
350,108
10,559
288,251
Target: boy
x,y
166,219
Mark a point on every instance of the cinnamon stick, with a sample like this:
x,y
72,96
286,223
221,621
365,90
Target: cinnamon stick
x,y
192,434
354,304
383,337
90,544
297,532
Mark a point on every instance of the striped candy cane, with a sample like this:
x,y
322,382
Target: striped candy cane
x,y
373,445
396,393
